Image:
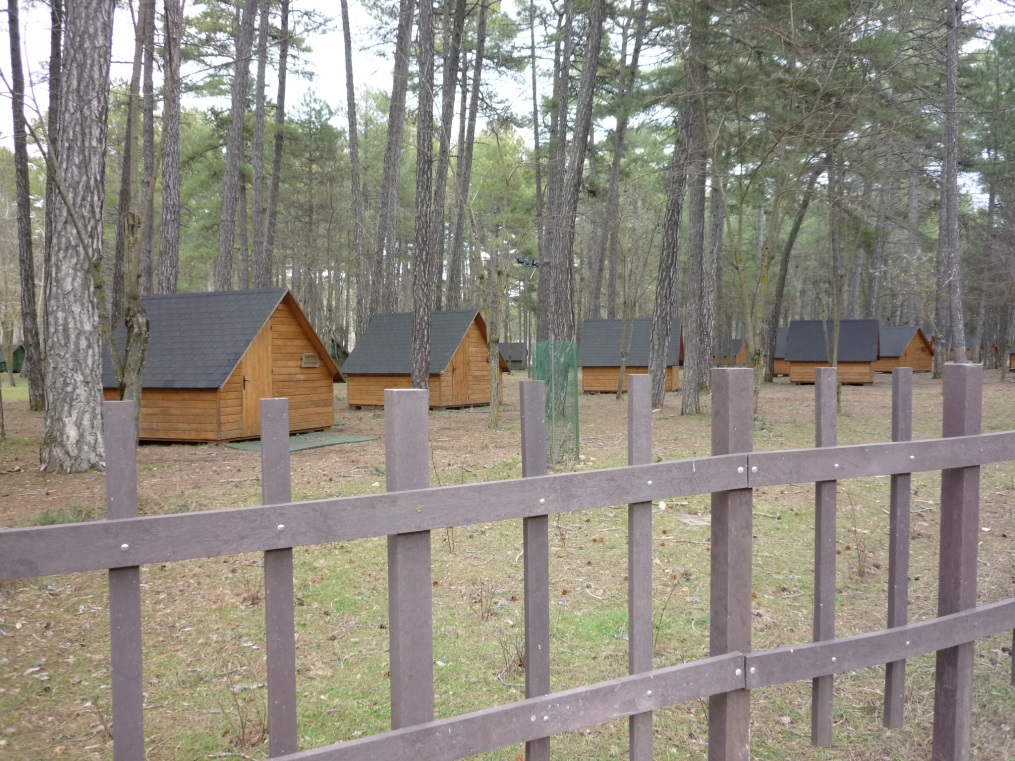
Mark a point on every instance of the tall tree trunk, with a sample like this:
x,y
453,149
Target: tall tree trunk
x,y
425,259
264,273
668,281
72,440
26,259
611,241
452,58
881,232
949,304
169,239
53,122
696,361
242,239
260,262
536,147
128,217
363,272
223,277
914,316
549,274
787,249
463,175
383,292
566,176
148,141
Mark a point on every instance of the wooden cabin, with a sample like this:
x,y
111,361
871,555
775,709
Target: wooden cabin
x,y
601,347
734,354
516,354
780,365
212,357
17,358
857,350
1011,357
903,346
459,360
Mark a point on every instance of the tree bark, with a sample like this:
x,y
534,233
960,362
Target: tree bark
x,y
668,280
696,361
264,272
452,58
72,440
463,175
610,251
425,261
363,272
148,142
949,297
26,259
881,233
382,295
787,249
53,124
260,264
564,199
223,277
169,240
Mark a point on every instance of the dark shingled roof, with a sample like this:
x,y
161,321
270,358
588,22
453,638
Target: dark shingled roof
x,y
894,340
385,348
733,347
601,341
195,340
858,341
781,335
514,351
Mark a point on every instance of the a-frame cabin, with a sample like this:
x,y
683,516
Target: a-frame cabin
x,y
459,360
806,350
603,342
212,357
904,346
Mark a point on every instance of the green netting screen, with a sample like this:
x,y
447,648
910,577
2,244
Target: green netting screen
x,y
556,364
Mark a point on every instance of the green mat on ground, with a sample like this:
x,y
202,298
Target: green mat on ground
x,y
300,441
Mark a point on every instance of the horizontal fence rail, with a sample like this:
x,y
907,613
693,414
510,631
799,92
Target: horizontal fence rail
x,y
100,545
408,511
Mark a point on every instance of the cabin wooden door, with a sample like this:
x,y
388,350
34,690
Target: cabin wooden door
x,y
256,369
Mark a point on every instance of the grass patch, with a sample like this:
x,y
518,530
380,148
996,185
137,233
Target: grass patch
x,y
204,663
53,516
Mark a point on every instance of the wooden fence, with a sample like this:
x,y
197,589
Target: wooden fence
x,y
410,510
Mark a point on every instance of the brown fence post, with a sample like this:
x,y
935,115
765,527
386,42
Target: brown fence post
x,y
119,431
729,714
825,385
898,544
279,613
639,558
960,517
410,592
536,549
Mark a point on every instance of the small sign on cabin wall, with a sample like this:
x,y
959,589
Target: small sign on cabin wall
x,y
310,359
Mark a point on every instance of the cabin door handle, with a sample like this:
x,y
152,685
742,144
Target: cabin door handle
x,y
244,382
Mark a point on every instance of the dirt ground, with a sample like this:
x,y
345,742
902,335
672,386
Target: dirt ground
x,y
465,448
462,441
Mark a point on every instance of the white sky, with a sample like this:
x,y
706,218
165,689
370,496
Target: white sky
x,y
326,59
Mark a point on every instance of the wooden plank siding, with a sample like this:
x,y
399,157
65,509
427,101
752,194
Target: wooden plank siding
x,y
272,367
780,367
603,380
176,414
850,373
917,355
465,382
310,390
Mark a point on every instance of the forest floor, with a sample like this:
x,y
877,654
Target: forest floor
x,y
203,620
